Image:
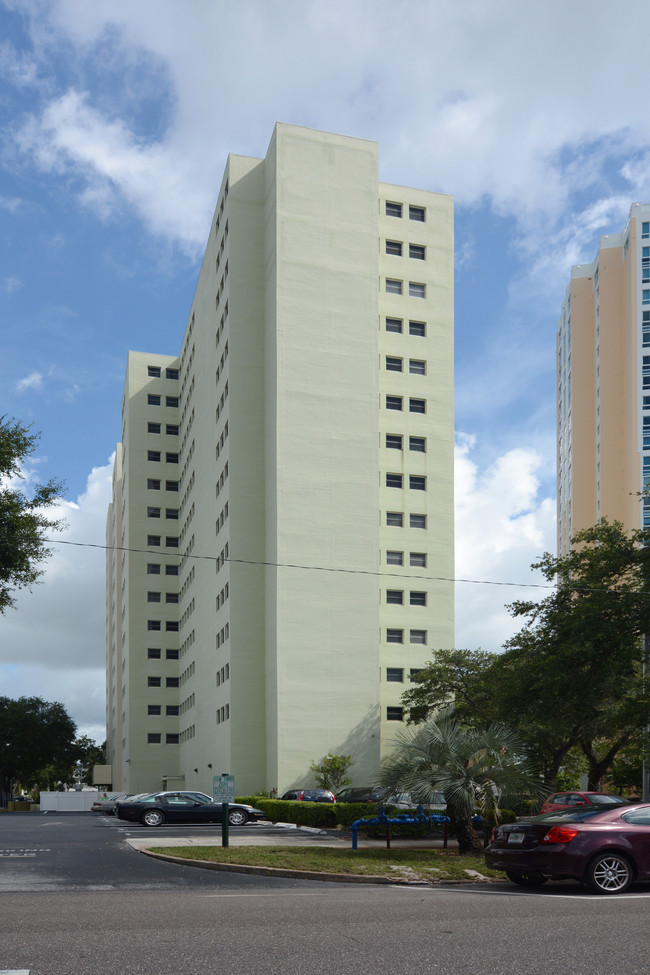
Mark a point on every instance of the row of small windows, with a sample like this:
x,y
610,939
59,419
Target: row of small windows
x,y
153,541
417,482
223,675
171,513
397,209
395,441
395,597
155,457
396,248
153,399
155,569
415,405
395,675
156,597
395,635
155,484
171,626
155,709
155,372
223,714
417,367
157,682
222,635
171,429
395,519
417,559
155,653
155,738
416,289
415,328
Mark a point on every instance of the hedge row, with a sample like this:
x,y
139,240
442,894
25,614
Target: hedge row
x,y
324,815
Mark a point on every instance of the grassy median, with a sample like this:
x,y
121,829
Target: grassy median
x,y
417,865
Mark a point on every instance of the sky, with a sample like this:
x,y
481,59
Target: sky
x,y
116,119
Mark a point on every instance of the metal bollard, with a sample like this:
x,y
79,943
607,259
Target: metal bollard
x,y
225,825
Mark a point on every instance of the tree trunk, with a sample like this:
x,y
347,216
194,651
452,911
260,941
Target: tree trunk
x,y
598,766
469,842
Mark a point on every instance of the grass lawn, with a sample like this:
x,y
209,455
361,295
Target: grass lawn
x,y
421,865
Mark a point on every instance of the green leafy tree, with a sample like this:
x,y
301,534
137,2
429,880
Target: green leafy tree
x,y
23,526
331,772
476,769
33,734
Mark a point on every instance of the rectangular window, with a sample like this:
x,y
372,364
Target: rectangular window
x,y
153,512
395,519
417,290
395,675
394,558
645,228
171,709
172,738
154,709
394,636
154,653
153,484
154,681
171,541
171,373
172,681
153,371
394,325
153,428
394,441
394,402
153,540
171,597
418,443
418,598
393,209
417,367
153,625
394,363
153,455
394,480
171,513
418,521
394,714
171,626
394,247
417,213
393,287
153,568
417,251
171,570
171,654
153,399
395,597
171,485
418,559
418,328
171,458
153,597
414,671
418,636
171,401
154,738
417,405
171,429
417,482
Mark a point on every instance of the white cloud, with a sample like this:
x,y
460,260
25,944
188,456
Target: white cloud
x,y
33,381
11,284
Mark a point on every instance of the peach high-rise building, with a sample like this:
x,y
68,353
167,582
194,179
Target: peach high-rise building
x,y
603,384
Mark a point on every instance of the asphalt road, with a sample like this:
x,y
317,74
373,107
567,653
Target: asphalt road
x,y
77,900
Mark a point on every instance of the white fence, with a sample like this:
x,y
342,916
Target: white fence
x,y
69,801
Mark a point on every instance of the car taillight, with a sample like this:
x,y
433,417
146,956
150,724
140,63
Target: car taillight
x,y
560,834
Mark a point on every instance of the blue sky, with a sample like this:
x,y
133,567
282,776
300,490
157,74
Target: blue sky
x,y
115,121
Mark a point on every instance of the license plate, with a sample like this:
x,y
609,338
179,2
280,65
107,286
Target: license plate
x,y
515,838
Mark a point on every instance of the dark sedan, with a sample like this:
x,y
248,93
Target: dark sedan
x,y
183,807
605,849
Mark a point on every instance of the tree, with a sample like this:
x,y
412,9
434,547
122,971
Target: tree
x,y
33,734
331,772
474,768
22,523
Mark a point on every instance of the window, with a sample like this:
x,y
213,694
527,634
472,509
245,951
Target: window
x,y
395,519
418,328
418,521
171,597
418,598
153,399
418,443
171,570
153,428
394,325
417,405
645,228
394,714
394,480
394,597
171,485
153,455
395,675
154,653
154,681
171,513
153,597
171,429
417,367
417,213
171,400
394,558
417,482
418,559
172,738
417,251
153,512
172,681
153,568
414,671
393,287
154,709
154,739
394,247
394,402
153,539
418,636
171,541
171,654
393,363
394,441
393,209
171,373
153,484
171,458
417,290
153,371
172,709
394,636
171,626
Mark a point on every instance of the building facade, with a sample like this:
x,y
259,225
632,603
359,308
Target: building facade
x,y
281,533
603,385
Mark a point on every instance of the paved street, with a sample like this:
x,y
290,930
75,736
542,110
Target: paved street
x,y
78,900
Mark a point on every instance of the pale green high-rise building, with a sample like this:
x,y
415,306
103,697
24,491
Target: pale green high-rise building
x,y
281,530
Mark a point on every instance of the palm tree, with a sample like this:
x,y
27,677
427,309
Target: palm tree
x,y
476,769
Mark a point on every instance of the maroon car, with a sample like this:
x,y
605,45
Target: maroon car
x,y
560,800
605,849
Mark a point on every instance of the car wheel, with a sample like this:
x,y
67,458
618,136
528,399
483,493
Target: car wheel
x,y
526,879
609,873
237,817
152,817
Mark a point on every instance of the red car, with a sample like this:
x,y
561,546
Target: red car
x,y
606,849
560,800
